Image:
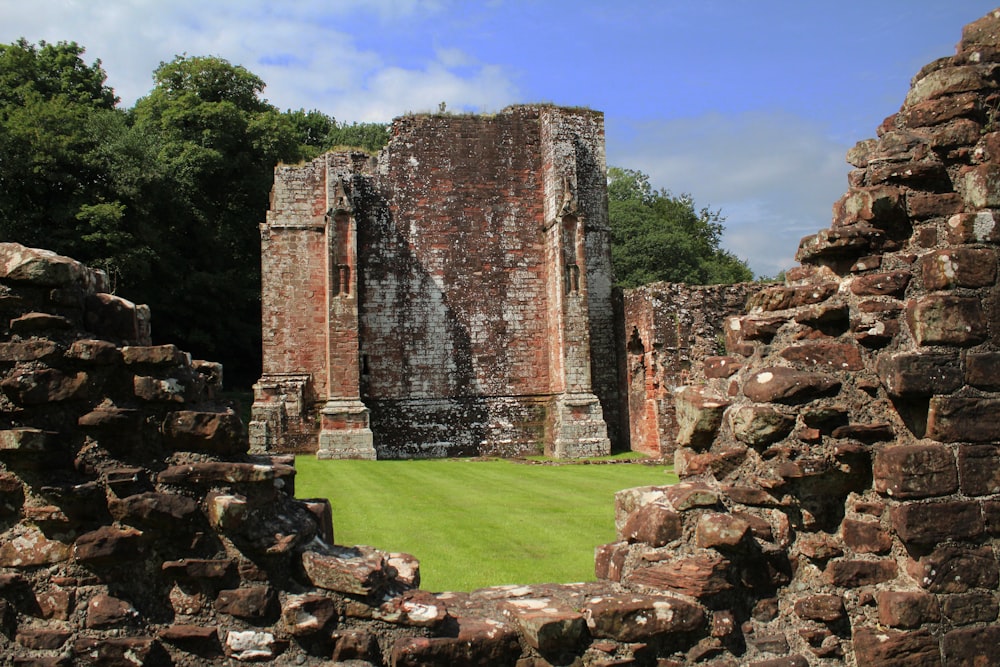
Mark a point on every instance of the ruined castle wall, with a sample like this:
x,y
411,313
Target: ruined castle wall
x,y
674,335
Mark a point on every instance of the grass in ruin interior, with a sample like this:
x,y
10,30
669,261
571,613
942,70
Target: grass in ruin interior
x,y
475,523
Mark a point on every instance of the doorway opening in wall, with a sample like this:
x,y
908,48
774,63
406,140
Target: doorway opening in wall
x,y
474,523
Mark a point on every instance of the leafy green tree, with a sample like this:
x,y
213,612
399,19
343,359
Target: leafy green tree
x,y
656,236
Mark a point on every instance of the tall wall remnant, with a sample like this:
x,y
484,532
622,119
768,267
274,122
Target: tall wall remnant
x,y
452,296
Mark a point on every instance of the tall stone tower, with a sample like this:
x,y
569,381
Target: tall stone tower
x,y
451,297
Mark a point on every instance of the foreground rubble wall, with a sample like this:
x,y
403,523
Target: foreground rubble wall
x,y
839,499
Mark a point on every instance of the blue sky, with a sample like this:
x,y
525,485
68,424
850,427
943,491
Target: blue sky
x,y
748,106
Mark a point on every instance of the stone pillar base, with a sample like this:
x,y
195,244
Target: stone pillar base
x,y
579,429
345,432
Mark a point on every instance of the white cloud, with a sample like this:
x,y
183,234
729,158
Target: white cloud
x,y
305,51
774,176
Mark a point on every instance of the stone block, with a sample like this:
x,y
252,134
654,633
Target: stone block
x,y
915,471
699,416
197,639
785,385
945,319
358,570
698,575
824,608
982,370
866,537
108,544
930,523
858,573
758,425
94,351
840,243
44,385
609,561
967,608
920,374
155,356
955,569
477,643
721,367
907,609
163,510
684,496
890,283
979,469
251,602
880,205
111,317
721,531
32,548
210,432
979,227
628,617
252,645
159,390
40,267
876,647
972,647
825,355
551,632
106,611
43,639
926,205
956,419
211,472
654,524
782,297
980,186
958,267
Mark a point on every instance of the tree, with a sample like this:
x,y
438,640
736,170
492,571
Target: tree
x,y
657,236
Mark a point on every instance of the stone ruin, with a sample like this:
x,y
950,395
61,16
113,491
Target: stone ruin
x,y
840,500
449,297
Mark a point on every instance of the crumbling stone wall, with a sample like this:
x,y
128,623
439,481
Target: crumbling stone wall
x,y
452,296
839,502
674,335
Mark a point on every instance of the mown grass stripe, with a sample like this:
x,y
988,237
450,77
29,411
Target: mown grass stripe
x,y
477,523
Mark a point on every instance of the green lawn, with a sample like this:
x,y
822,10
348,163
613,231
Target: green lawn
x,y
474,523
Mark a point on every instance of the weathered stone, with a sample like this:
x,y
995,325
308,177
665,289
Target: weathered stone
x,y
226,512
953,569
235,473
105,611
698,575
979,186
915,471
688,495
94,351
198,568
211,432
878,205
717,530
108,544
44,385
929,523
25,440
972,647
155,355
346,570
925,205
893,648
35,349
979,469
404,569
957,419
857,573
550,631
795,660
202,640
699,416
609,560
654,524
251,645
891,283
982,370
112,419
43,639
866,537
979,227
251,602
413,608
158,390
721,367
967,608
477,643
31,548
784,385
758,425
152,508
907,609
111,316
842,242
945,319
782,297
825,355
56,602
920,374
768,642
958,267
40,267
624,617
